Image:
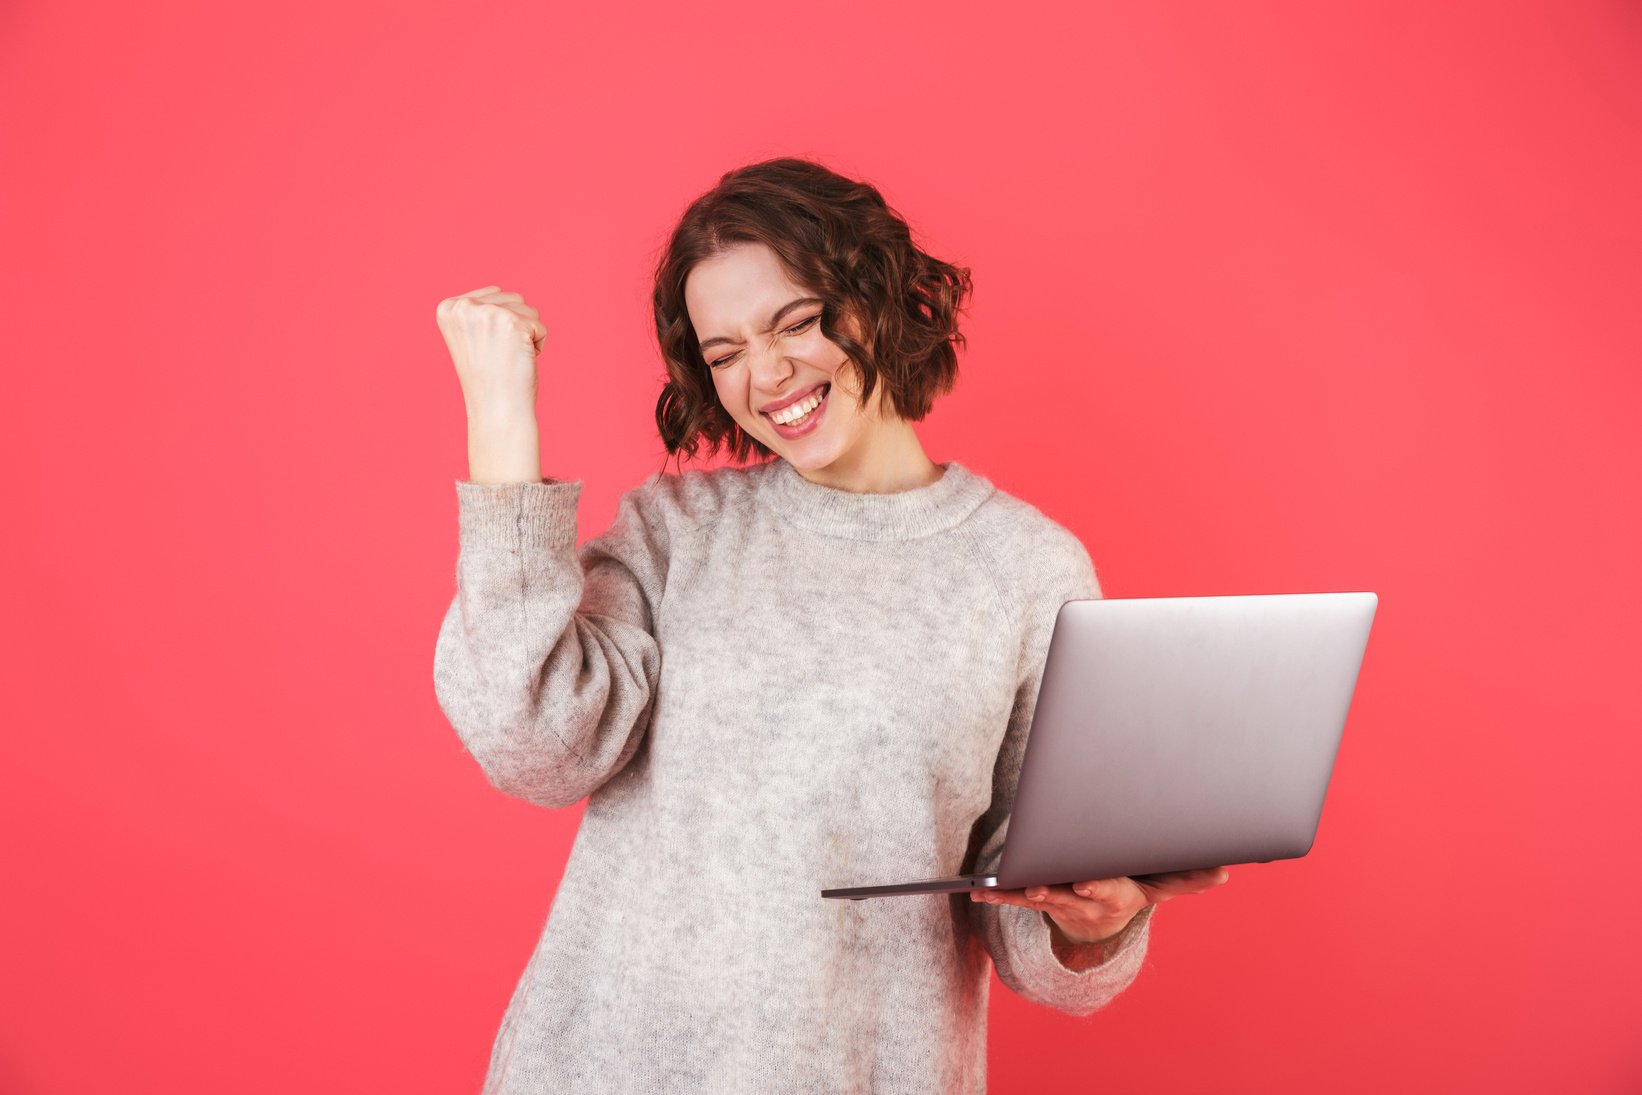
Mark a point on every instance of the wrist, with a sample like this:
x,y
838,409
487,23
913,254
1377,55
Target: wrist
x,y
504,450
1106,933
1077,955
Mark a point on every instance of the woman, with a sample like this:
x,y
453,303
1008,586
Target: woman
x,y
813,670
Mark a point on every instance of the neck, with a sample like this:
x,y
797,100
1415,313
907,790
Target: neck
x,y
889,460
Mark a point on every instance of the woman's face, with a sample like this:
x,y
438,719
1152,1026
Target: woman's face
x,y
760,335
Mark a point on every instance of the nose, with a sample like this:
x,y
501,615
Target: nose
x,y
770,367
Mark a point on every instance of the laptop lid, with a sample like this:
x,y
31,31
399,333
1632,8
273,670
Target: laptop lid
x,y
1172,733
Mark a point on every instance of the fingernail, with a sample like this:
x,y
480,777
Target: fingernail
x,y
1083,891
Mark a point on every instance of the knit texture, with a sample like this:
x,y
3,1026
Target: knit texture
x,y
764,687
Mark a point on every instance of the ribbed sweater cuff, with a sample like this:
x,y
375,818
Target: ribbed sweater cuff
x,y
515,516
1130,941
1074,991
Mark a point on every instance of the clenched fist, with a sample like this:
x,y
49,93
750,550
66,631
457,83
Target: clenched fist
x,y
493,338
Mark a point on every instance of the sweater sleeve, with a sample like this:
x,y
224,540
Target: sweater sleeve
x,y
1018,938
546,661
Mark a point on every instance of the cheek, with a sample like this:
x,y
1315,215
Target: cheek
x,y
733,400
820,350
829,357
848,378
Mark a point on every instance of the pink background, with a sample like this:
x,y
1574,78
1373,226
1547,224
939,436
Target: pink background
x,y
1270,298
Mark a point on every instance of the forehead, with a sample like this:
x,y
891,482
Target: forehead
x,y
738,287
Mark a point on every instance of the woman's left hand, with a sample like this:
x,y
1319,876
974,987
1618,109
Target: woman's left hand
x,y
1098,910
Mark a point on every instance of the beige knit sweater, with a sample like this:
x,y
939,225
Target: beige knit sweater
x,y
764,687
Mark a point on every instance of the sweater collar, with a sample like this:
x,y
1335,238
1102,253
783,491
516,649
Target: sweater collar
x,y
901,515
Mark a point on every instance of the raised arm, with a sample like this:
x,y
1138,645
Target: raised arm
x,y
546,662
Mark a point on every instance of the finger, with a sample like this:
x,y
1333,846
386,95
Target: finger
x,y
534,327
1111,892
1197,874
1202,879
1184,882
1057,896
1005,897
1031,897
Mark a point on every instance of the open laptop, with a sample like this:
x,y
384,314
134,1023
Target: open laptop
x,y
1173,733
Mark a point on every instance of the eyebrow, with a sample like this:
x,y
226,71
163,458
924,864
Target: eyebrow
x,y
779,312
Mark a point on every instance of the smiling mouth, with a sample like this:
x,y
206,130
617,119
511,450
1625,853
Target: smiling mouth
x,y
820,394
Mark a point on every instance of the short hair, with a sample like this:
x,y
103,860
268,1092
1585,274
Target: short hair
x,y
838,239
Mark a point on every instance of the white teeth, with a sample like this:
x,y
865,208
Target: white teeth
x,y
798,410
791,416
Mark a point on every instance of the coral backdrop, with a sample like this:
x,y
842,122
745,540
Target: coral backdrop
x,y
1270,298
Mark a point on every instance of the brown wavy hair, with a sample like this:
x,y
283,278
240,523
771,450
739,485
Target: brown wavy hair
x,y
838,239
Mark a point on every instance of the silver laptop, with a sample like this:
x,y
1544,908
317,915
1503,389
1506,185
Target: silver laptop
x,y
1173,733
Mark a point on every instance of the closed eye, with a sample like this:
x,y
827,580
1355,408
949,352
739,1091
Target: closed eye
x,y
796,328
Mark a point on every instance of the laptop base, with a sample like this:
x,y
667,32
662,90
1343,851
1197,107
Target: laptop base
x,y
952,884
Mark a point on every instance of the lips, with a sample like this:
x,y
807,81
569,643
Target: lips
x,y
805,394
811,422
